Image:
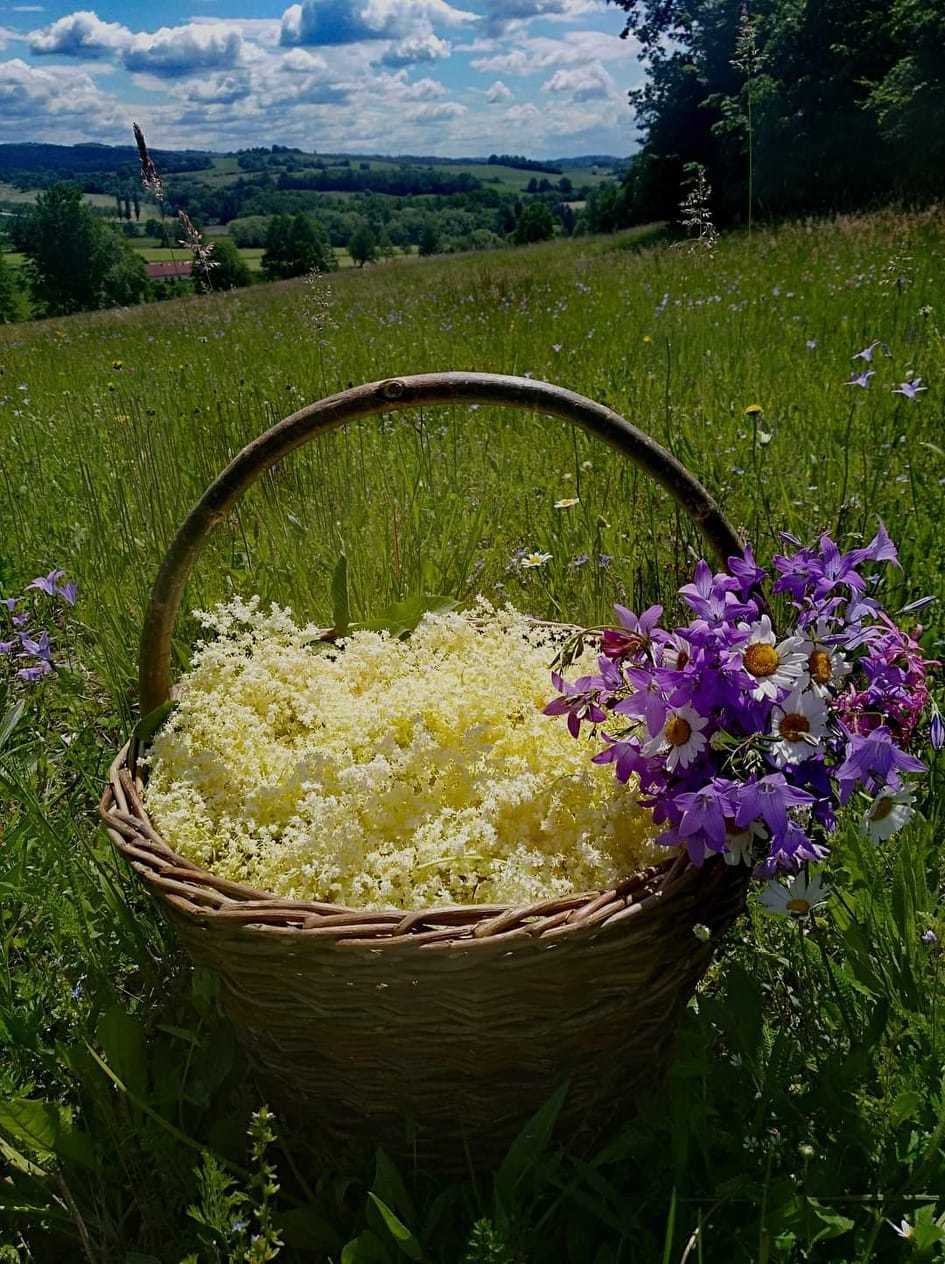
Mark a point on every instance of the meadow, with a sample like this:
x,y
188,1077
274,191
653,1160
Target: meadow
x,y
804,1115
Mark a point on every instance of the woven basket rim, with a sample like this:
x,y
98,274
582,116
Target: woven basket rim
x,y
198,893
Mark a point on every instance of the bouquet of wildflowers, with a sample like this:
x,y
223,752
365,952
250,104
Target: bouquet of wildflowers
x,y
745,741
26,652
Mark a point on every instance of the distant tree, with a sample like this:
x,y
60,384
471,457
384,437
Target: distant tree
x,y
506,219
75,260
275,258
232,270
429,242
532,186
565,187
127,207
296,246
308,247
362,246
535,224
137,204
152,228
12,300
126,280
606,209
567,217
250,230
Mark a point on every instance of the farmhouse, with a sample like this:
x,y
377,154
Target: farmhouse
x,y
171,270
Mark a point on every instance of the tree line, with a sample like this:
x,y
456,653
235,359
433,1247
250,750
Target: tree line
x,y
792,106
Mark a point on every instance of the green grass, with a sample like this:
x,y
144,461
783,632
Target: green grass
x,y
10,193
806,1105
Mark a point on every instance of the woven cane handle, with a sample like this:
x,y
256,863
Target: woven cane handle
x,y
154,663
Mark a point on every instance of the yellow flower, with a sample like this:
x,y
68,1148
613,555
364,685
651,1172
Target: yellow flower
x,y
388,773
118,365
753,410
647,338
568,503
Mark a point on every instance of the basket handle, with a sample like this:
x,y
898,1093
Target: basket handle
x,y
392,395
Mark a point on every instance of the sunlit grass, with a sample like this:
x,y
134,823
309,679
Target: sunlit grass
x,y
805,1109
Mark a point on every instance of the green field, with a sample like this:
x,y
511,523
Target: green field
x,y
805,1112
226,170
10,193
164,254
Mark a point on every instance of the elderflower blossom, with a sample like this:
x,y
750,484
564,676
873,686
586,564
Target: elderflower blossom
x,y
385,772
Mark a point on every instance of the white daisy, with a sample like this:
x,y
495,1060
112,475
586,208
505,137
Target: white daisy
x,y
676,652
739,843
826,667
888,813
794,897
775,666
798,723
681,736
535,559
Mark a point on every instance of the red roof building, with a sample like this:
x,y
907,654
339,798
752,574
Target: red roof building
x,y
170,271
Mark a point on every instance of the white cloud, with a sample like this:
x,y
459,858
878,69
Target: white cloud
x,y
221,89
61,95
81,34
525,114
304,61
416,48
435,113
501,15
184,50
336,74
582,83
499,92
533,54
326,22
516,62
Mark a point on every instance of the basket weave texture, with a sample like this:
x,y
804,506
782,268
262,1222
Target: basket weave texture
x,y
434,1032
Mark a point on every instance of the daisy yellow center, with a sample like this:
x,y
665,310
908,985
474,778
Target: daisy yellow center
x,y
798,905
678,731
761,659
792,727
820,666
881,808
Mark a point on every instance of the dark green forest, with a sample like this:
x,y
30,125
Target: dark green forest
x,y
792,106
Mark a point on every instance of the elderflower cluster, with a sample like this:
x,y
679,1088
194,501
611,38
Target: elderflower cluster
x,y
384,772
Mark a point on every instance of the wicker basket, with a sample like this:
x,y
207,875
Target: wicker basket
x,y
437,1032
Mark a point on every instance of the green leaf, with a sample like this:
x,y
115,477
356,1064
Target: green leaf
x,y
47,1128
906,1105
834,1225
10,720
528,1147
121,1036
306,1229
341,606
927,1231
149,724
403,616
364,1249
403,1236
389,1185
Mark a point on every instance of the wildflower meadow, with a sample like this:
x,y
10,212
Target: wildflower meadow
x,y
799,372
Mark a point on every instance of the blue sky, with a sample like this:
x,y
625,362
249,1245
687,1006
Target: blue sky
x,y
547,78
